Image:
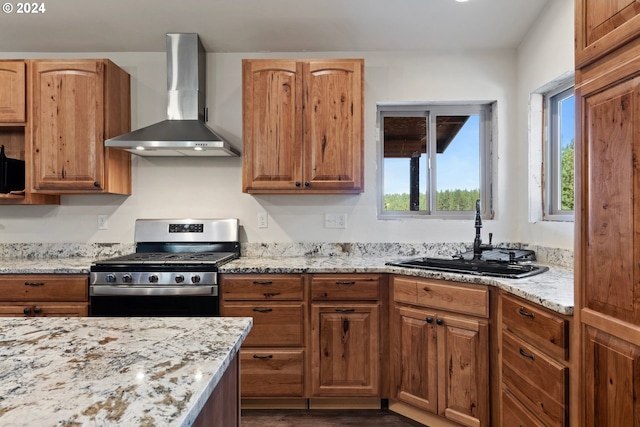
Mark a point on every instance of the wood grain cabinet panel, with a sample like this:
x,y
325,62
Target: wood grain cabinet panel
x,y
440,358
273,361
603,26
74,106
272,373
303,126
44,295
13,96
345,349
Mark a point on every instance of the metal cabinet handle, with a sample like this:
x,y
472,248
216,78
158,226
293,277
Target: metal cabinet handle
x,y
262,310
307,183
439,322
298,184
27,310
345,310
262,282
429,319
525,354
345,282
523,312
34,283
271,294
268,356
37,310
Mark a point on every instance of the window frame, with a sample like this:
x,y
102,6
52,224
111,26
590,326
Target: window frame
x,y
486,111
551,156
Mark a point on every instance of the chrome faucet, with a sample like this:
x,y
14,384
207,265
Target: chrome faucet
x,y
478,246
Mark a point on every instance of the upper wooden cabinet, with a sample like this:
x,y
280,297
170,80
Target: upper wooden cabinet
x,y
13,88
604,25
303,126
74,106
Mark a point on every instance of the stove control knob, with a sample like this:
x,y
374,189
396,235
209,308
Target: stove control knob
x,y
195,278
179,278
110,278
153,278
126,278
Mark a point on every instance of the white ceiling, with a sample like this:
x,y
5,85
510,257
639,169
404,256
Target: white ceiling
x,y
269,25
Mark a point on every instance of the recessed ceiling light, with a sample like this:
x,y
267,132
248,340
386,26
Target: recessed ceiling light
x,y
462,1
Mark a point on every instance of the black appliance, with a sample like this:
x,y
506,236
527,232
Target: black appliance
x,y
11,173
173,271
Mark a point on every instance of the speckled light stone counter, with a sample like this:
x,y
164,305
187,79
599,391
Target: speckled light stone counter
x,y
112,371
552,289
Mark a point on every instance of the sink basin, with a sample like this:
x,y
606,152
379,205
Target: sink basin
x,y
476,267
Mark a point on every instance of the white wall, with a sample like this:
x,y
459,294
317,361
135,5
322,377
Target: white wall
x,y
546,54
211,187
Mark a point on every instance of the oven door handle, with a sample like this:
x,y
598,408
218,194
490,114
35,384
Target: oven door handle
x,y
205,290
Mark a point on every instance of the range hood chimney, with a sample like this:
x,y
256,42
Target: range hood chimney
x,y
184,133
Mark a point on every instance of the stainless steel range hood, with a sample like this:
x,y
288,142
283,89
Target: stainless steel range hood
x,y
184,133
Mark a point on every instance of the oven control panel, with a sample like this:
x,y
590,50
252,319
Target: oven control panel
x,y
186,228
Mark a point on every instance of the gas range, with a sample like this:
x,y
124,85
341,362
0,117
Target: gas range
x,y
173,258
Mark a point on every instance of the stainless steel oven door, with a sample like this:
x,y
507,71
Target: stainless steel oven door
x,y
141,301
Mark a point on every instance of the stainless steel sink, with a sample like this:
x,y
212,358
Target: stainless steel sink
x,y
476,267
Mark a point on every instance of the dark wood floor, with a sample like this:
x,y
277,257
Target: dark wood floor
x,y
323,418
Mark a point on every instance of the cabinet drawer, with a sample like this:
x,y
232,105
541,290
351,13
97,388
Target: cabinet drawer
x,y
547,330
405,290
44,310
44,287
515,415
453,297
538,381
271,287
277,324
271,373
347,287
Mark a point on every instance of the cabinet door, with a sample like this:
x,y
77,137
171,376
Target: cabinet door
x,y
333,124
12,91
414,361
272,125
345,349
463,374
611,383
602,26
610,138
68,125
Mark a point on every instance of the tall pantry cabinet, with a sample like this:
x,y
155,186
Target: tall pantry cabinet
x,y
607,274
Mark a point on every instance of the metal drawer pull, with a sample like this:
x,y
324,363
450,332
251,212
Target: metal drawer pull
x,y
262,282
525,354
270,294
439,322
525,313
34,283
346,283
262,310
345,310
268,356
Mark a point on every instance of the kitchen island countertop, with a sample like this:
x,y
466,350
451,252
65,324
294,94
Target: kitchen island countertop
x,y
112,371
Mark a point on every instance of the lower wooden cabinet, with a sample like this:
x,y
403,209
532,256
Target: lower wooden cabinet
x,y
440,359
534,365
345,349
44,295
612,375
273,355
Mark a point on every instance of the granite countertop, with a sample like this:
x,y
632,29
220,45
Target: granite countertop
x,y
553,289
112,371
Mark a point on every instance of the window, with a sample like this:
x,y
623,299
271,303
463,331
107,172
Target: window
x,y
435,160
558,154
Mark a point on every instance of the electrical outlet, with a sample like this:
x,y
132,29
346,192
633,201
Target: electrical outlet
x,y
335,220
263,220
103,223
